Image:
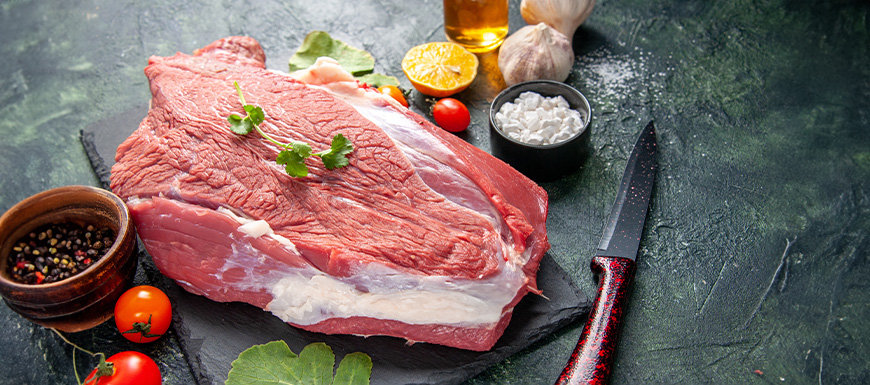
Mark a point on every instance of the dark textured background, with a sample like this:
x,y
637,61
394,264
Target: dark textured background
x,y
755,256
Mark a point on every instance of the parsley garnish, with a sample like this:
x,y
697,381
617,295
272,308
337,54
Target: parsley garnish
x,y
294,154
275,364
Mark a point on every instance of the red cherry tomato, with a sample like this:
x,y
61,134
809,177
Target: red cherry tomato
x,y
451,115
395,93
130,368
143,314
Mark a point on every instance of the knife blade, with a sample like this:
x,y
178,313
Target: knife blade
x,y
614,263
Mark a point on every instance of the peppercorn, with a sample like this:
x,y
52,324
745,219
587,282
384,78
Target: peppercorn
x,y
57,251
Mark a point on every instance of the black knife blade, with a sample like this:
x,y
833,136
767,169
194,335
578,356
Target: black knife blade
x,y
590,363
625,225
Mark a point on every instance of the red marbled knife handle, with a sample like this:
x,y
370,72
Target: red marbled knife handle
x,y
590,363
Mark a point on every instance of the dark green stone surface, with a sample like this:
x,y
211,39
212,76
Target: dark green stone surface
x,y
753,267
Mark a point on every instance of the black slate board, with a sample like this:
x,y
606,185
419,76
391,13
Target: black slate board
x,y
213,334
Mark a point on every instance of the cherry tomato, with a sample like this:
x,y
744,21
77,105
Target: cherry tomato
x,y
143,314
451,115
395,93
130,368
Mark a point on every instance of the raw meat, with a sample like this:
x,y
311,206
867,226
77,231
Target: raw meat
x,y
422,236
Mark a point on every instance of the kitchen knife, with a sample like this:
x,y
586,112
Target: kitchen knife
x,y
614,263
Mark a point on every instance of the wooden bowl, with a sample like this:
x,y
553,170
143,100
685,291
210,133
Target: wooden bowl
x,y
86,299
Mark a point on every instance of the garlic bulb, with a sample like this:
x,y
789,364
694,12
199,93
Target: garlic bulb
x,y
563,15
535,52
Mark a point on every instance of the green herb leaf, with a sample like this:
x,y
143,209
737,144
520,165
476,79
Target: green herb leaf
x,y
319,43
294,163
358,62
354,369
275,364
294,154
301,149
315,362
239,125
376,80
336,156
255,114
261,364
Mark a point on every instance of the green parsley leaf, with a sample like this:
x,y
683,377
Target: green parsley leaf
x,y
319,43
239,125
336,156
316,361
275,364
359,63
255,114
293,154
294,163
376,80
354,369
301,149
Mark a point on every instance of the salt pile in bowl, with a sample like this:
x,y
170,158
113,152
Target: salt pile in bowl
x,y
535,119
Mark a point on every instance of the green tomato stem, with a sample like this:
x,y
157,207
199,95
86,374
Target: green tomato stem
x,y
76,347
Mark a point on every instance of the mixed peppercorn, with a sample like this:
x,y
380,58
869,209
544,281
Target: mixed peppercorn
x,y
57,251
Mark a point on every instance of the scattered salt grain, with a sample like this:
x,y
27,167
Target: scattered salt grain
x,y
535,119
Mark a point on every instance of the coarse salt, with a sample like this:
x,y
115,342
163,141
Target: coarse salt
x,y
535,119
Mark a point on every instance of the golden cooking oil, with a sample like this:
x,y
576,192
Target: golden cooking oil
x,y
477,25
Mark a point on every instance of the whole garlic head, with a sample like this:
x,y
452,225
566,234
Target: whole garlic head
x,y
535,52
563,15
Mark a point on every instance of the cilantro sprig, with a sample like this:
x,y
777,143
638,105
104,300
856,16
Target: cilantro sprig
x,y
293,154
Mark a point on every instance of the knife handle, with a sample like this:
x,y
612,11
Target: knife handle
x,y
590,363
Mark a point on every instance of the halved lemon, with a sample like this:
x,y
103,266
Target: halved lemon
x,y
440,69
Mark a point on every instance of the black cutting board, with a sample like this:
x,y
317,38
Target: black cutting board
x,y
213,334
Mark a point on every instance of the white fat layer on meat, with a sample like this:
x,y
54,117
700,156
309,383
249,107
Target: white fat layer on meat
x,y
247,258
257,228
306,296
376,291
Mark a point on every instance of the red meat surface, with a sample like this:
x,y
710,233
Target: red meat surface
x,y
415,205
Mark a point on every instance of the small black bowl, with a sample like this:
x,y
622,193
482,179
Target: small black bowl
x,y
548,162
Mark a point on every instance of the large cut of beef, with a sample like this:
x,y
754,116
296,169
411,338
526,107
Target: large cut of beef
x,y
422,236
